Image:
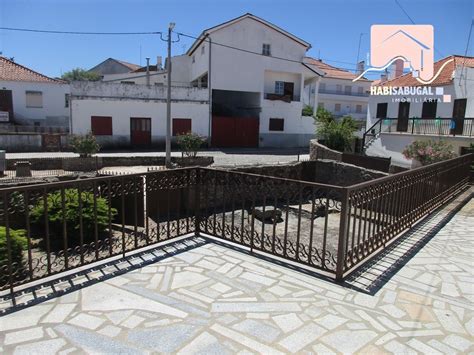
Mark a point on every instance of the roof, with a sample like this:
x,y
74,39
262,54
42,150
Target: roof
x,y
331,71
206,32
11,71
446,65
129,66
143,69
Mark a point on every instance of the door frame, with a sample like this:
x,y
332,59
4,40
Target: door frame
x,y
140,144
402,121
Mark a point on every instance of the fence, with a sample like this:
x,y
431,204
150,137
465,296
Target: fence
x,y
51,228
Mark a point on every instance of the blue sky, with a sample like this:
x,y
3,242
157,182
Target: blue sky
x,y
332,27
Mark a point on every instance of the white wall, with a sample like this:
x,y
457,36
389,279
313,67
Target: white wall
x,y
53,100
122,110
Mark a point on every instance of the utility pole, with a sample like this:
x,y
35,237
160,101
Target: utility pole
x,y
168,101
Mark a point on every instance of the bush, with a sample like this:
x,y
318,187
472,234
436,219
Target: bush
x,y
337,135
71,202
190,143
85,145
18,244
429,152
307,111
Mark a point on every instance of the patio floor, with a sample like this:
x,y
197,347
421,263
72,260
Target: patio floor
x,y
196,296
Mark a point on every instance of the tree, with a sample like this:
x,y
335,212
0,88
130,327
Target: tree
x,y
337,134
85,145
79,74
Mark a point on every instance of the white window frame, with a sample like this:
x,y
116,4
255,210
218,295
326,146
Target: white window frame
x,y
279,87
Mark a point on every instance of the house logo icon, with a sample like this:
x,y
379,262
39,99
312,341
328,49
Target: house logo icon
x,y
414,44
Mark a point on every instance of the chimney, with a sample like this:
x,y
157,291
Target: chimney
x,y
158,63
360,67
396,69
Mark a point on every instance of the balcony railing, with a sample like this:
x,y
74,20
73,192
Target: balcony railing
x,y
280,97
48,229
335,92
426,126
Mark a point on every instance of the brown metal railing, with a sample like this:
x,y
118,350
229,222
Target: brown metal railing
x,y
51,228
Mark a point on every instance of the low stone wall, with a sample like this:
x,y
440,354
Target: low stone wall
x,y
94,163
320,151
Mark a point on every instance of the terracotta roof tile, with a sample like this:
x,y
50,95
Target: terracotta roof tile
x,y
444,78
11,71
131,66
331,71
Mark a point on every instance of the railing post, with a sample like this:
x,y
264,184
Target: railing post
x,y
412,126
343,224
197,204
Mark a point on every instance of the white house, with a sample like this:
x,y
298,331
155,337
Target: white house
x,y
122,115
256,76
443,109
337,92
30,98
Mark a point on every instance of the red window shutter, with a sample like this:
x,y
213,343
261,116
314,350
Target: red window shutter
x,y
181,126
101,125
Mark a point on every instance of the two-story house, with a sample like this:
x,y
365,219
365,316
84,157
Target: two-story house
x,y
337,92
256,76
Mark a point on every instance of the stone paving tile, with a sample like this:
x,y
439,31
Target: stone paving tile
x,y
216,300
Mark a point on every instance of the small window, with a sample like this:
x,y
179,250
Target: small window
x,y
360,90
348,90
279,87
101,125
276,124
382,110
203,49
181,126
321,104
266,50
34,99
337,107
66,100
358,108
194,59
338,88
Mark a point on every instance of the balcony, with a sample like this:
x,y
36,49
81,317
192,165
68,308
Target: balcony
x,y
285,98
344,93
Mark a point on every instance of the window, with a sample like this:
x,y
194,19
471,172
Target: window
x,y
360,90
321,104
203,49
101,125
429,109
279,87
322,87
34,99
276,124
338,88
266,49
194,59
358,108
337,107
348,90
181,126
66,100
127,82
382,110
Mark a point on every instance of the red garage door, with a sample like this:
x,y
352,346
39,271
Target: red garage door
x,y
234,131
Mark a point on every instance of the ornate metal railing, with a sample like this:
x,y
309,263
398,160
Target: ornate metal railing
x,y
48,229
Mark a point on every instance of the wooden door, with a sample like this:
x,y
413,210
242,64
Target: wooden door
x,y
459,113
403,112
288,90
6,103
140,131
235,131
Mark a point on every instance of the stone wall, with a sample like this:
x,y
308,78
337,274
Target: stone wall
x,y
320,151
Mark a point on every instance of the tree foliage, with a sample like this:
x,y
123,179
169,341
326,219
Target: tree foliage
x,y
85,145
79,74
190,143
429,151
18,243
336,134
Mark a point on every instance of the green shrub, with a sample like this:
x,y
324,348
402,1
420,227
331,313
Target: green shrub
x,y
18,244
307,111
429,151
190,143
71,212
85,145
337,134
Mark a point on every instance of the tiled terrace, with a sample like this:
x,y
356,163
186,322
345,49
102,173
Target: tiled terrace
x,y
196,296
